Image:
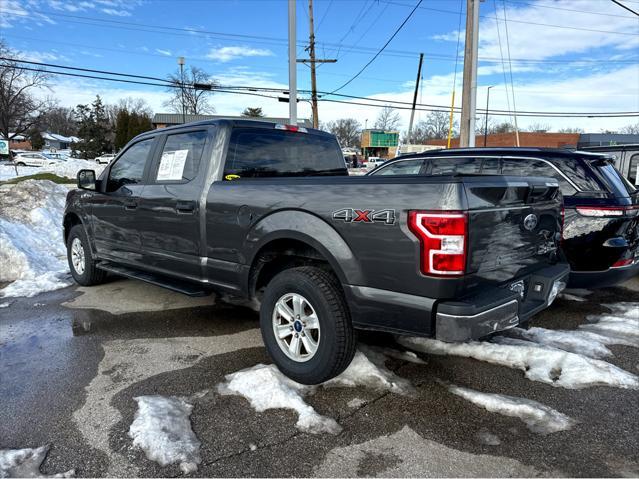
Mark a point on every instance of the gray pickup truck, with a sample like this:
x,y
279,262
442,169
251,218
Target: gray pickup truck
x,y
268,212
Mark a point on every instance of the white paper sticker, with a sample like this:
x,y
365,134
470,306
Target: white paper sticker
x,y
172,165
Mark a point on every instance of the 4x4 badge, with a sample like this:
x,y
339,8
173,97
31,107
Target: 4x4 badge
x,y
351,215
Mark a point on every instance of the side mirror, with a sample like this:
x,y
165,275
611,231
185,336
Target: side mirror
x,y
86,180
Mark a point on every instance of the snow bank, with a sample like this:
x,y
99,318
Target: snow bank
x,y
546,365
66,169
266,387
538,417
31,246
26,463
32,251
162,429
622,324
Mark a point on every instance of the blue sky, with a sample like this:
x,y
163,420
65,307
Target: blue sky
x,y
573,55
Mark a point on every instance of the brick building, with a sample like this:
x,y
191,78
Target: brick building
x,y
542,140
162,120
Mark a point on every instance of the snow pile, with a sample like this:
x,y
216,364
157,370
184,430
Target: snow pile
x,y
546,365
67,169
579,342
32,251
368,370
538,417
622,324
266,387
26,463
162,429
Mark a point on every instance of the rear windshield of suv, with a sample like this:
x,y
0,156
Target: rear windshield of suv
x,y
261,152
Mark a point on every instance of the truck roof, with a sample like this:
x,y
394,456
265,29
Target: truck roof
x,y
232,123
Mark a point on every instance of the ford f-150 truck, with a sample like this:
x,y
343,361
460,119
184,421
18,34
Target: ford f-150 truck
x,y
267,211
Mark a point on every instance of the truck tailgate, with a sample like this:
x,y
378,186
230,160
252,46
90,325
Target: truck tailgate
x,y
514,226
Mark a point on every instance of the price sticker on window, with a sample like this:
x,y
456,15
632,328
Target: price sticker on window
x,y
172,165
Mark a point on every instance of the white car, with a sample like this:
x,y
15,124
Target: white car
x,y
105,159
33,159
373,162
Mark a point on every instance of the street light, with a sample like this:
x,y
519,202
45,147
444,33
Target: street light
x,y
486,124
180,61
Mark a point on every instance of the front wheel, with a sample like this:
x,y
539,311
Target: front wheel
x,y
306,325
82,266
21,164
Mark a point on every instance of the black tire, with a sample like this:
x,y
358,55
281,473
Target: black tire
x,y
337,343
21,164
91,275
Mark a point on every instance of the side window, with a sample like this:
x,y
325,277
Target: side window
x,y
490,166
579,175
181,156
525,167
129,168
408,167
449,166
633,171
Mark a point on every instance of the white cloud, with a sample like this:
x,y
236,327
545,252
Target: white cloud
x,y
117,13
226,54
163,52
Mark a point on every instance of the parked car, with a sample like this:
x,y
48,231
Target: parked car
x,y
33,159
55,156
601,230
268,212
624,157
373,162
105,159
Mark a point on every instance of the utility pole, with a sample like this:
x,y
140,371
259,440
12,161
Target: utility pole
x,y
469,88
486,119
292,64
181,63
312,62
412,112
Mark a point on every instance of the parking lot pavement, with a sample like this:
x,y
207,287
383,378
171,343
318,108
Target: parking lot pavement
x,y
72,362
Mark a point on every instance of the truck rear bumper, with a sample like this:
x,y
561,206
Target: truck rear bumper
x,y
500,308
601,279
494,309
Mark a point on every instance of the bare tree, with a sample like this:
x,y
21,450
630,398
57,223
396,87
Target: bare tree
x,y
630,129
347,130
251,112
435,126
59,119
539,127
388,119
571,130
184,97
20,109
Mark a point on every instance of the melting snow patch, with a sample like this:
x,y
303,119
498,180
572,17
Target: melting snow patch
x,y
162,429
578,342
32,251
488,438
538,417
26,463
622,324
267,388
546,365
356,403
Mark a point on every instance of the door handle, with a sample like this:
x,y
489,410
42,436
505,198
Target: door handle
x,y
130,204
185,207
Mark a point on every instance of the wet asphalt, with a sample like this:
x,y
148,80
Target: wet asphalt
x,y
72,361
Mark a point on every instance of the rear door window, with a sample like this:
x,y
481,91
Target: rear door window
x,y
579,174
181,157
529,167
262,152
405,167
450,166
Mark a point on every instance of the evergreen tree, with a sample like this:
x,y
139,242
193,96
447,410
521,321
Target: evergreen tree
x,y
93,129
121,129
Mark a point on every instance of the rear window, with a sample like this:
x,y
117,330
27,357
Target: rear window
x,y
615,181
579,175
260,153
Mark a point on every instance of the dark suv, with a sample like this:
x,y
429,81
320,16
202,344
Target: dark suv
x,y
601,230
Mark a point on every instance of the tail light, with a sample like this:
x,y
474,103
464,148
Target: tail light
x,y
622,262
293,128
606,211
443,237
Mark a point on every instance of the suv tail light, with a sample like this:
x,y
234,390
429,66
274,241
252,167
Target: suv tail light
x,y
606,211
443,238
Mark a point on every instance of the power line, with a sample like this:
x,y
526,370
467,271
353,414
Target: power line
x,y
252,89
381,49
283,42
624,6
534,5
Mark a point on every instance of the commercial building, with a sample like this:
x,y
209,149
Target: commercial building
x,y
162,120
380,143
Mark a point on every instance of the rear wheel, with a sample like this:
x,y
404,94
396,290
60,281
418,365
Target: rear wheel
x,y
82,266
21,164
306,325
